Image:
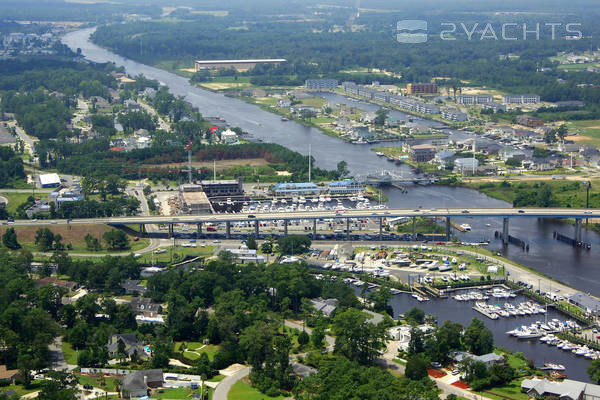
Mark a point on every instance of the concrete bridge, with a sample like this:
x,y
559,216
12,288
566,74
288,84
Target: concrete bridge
x,y
448,213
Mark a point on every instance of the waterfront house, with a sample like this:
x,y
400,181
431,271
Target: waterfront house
x,y
422,152
488,359
567,389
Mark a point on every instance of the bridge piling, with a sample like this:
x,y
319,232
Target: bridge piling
x,y
380,228
256,229
347,228
314,228
505,231
198,230
578,230
285,227
228,229
414,228
448,228
171,231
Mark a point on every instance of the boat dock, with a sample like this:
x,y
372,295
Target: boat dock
x,y
490,315
457,227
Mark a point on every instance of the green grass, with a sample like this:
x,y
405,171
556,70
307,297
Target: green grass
x,y
316,102
108,384
69,353
510,391
243,391
589,129
35,386
209,349
15,199
178,253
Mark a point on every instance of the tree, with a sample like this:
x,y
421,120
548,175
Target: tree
x,y
317,337
293,244
116,239
303,338
416,344
478,339
416,367
513,162
251,243
415,316
92,243
381,116
44,239
593,371
266,247
550,136
357,339
562,132
342,168
9,239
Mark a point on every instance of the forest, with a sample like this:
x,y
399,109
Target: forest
x,y
314,48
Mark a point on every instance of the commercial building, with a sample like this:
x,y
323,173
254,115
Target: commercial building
x,y
321,83
452,114
421,88
302,188
193,200
520,99
346,186
474,99
528,120
590,304
49,180
422,153
223,188
242,64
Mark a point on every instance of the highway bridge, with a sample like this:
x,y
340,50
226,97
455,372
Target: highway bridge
x,y
448,213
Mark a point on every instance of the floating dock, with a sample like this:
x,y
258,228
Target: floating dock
x,y
486,313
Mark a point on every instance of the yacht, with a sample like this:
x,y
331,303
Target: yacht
x,y
466,227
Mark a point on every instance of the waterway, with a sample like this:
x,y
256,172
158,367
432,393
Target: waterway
x,y
576,267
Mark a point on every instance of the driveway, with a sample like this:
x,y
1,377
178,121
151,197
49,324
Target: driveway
x,y
225,385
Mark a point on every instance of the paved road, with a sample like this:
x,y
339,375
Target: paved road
x,y
56,355
391,213
222,390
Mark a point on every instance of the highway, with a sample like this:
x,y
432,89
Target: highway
x,y
387,213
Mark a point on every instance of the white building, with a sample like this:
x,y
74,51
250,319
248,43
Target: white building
x,y
229,137
466,165
49,180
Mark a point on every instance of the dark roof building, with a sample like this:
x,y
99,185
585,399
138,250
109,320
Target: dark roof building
x,y
590,304
137,383
145,306
133,286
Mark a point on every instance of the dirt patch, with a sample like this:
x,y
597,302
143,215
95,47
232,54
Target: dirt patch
x,y
222,85
580,138
75,235
232,369
221,164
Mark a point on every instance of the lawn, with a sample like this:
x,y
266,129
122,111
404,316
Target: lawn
x,y
316,102
589,131
209,349
243,391
15,199
100,382
178,253
510,391
35,386
69,353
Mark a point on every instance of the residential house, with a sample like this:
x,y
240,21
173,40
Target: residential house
x,y
50,280
368,117
567,389
133,286
343,123
137,383
244,255
443,157
131,105
569,147
253,92
229,137
99,102
130,342
302,370
325,306
394,122
466,166
362,132
8,375
494,106
144,306
488,359
373,317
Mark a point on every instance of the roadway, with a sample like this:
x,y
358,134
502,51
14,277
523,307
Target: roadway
x,y
299,215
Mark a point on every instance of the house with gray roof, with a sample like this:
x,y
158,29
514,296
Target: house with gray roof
x,y
567,389
590,304
488,359
325,306
137,383
131,345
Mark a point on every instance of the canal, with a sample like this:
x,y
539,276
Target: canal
x,y
576,267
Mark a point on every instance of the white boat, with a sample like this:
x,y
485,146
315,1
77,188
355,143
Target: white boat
x,y
466,227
